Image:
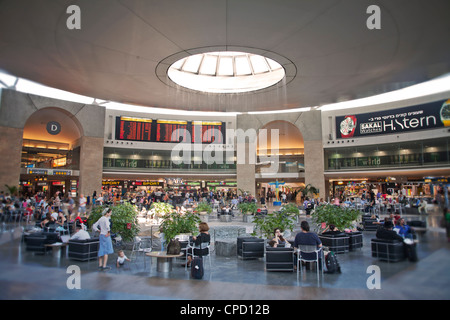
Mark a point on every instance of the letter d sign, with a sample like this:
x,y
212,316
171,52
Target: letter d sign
x,y
53,127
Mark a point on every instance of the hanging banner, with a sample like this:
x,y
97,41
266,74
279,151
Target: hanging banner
x,y
420,117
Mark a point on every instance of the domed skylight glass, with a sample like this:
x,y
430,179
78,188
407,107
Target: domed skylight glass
x,y
226,72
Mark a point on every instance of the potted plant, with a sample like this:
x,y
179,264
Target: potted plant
x,y
160,209
342,218
203,209
291,209
123,220
309,189
248,210
174,224
12,190
265,225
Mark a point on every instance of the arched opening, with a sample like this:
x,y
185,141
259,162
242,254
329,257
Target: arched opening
x,y
280,151
50,152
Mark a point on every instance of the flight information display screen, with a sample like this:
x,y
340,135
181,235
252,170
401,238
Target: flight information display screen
x,y
170,131
208,132
135,129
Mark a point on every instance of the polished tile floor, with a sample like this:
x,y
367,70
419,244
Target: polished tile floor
x,y
25,275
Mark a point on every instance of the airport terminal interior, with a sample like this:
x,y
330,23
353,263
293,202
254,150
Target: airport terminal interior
x,y
244,115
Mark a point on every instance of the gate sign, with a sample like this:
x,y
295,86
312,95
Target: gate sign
x,y
420,117
53,127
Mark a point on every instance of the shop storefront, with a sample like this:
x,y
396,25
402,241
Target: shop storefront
x,y
49,181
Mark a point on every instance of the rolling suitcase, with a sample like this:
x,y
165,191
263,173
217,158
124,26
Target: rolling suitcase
x,y
197,268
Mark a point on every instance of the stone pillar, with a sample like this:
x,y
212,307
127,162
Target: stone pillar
x,y
91,165
246,178
310,124
11,153
246,138
314,168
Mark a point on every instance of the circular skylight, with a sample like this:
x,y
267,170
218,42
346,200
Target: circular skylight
x,y
226,72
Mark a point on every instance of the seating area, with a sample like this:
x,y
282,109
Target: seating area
x,y
251,262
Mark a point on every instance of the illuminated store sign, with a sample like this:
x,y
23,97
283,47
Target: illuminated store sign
x,y
420,117
50,172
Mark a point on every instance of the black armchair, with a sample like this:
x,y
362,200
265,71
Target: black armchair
x,y
279,259
338,243
83,250
369,224
355,240
250,247
388,250
36,242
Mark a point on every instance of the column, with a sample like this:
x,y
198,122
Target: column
x,y
11,152
91,165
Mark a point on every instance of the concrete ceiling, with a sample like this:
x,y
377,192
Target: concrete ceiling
x,y
123,44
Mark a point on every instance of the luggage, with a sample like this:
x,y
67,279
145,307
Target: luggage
x,y
411,250
332,263
197,268
174,247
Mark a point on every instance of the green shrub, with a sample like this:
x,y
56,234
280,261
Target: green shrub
x,y
203,207
266,224
174,224
248,207
342,218
123,218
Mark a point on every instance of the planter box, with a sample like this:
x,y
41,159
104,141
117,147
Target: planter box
x,y
247,218
225,218
204,218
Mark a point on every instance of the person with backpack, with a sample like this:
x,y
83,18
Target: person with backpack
x,y
305,237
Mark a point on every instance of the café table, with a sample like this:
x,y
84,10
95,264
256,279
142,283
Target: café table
x,y
163,260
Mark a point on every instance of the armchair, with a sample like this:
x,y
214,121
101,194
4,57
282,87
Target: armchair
x,y
250,247
83,250
279,259
388,250
338,243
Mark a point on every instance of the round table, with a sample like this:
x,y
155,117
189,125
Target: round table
x,y
163,260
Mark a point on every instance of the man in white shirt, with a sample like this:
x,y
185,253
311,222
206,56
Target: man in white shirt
x,y
80,234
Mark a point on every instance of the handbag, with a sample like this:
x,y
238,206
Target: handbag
x,y
174,247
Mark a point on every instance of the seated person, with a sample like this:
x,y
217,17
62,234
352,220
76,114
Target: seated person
x,y
387,233
331,230
227,210
273,243
423,206
121,259
403,229
279,239
80,234
48,220
203,237
28,211
305,237
60,221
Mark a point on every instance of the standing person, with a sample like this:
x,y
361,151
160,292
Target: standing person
x,y
446,222
82,205
106,247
